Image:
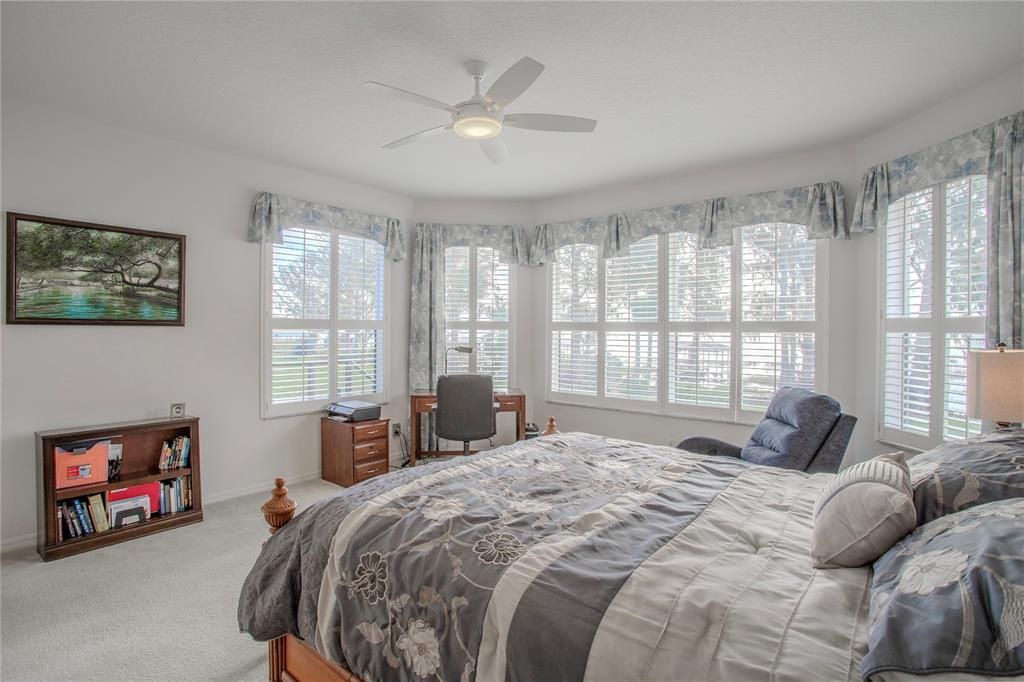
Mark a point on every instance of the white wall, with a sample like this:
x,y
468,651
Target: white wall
x,y
69,376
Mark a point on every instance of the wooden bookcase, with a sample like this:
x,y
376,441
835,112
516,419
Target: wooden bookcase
x,y
141,444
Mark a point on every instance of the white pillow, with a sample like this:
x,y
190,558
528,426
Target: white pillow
x,y
866,509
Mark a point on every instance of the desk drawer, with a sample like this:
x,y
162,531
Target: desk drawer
x,y
374,450
507,404
371,431
424,404
368,470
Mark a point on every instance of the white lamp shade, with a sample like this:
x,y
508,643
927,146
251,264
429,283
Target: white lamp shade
x,y
995,385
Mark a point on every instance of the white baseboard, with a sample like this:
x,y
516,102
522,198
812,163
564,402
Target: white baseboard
x,y
266,487
18,542
29,539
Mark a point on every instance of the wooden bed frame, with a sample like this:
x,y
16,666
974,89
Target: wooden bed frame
x,y
292,659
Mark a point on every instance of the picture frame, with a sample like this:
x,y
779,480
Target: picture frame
x,y
72,272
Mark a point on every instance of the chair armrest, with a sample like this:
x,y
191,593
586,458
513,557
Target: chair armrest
x,y
709,446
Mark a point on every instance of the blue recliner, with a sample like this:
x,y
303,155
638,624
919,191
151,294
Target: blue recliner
x,y
801,430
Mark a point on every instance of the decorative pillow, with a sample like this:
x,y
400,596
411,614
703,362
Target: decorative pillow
x,y
964,473
949,598
863,512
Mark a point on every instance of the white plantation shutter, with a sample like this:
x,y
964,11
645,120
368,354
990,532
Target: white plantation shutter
x,y
631,284
699,320
955,423
574,320
631,365
778,307
574,362
966,247
299,365
456,284
908,381
698,369
933,311
574,284
325,320
301,268
477,312
674,329
772,360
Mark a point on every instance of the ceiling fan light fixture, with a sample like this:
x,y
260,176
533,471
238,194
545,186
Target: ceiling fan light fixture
x,y
477,127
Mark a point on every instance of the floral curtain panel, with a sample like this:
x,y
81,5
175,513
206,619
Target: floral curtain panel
x,y
995,151
273,213
819,206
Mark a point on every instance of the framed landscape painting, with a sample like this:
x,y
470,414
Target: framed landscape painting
x,y
70,272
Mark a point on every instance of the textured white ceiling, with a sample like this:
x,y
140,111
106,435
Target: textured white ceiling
x,y
673,85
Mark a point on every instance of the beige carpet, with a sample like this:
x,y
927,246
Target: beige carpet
x,y
156,608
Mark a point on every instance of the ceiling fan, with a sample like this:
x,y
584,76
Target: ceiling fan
x,y
482,117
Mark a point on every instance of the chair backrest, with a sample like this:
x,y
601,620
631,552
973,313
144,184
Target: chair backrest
x,y
465,407
800,426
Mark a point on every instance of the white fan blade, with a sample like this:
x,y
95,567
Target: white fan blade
x,y
555,123
410,96
515,81
495,150
415,136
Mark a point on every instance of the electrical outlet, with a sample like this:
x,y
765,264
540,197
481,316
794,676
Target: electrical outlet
x,y
396,429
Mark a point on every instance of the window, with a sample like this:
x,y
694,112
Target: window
x,y
933,311
477,310
671,328
324,325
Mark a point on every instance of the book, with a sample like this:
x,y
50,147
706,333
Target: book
x,y
83,516
60,525
98,511
71,520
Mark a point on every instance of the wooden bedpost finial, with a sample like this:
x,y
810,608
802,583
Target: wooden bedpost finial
x,y
552,427
280,508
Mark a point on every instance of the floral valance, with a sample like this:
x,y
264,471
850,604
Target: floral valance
x,y
273,213
510,241
819,206
974,153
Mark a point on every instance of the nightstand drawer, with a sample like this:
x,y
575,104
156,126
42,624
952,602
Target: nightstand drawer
x,y
370,469
374,450
372,431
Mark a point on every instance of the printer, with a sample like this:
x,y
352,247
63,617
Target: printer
x,y
354,410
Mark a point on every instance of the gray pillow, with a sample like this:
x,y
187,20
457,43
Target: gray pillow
x,y
949,598
964,473
862,512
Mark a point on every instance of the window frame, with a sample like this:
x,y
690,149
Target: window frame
x,y
332,325
734,414
474,325
938,326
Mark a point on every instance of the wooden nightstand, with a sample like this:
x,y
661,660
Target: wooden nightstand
x,y
351,452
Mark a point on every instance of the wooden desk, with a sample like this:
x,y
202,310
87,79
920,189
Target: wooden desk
x,y
422,402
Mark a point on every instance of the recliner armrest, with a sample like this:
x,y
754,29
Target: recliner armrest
x,y
702,445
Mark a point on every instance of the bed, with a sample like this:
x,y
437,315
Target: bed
x,y
571,556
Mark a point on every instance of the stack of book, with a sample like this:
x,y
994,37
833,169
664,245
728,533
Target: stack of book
x,y
176,495
174,455
81,516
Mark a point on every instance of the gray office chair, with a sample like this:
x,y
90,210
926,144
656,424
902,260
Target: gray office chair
x,y
801,430
465,408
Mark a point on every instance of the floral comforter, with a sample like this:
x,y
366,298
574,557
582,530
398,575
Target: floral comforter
x,y
568,557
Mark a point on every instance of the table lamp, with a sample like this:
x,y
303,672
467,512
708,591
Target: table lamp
x,y
457,349
995,385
